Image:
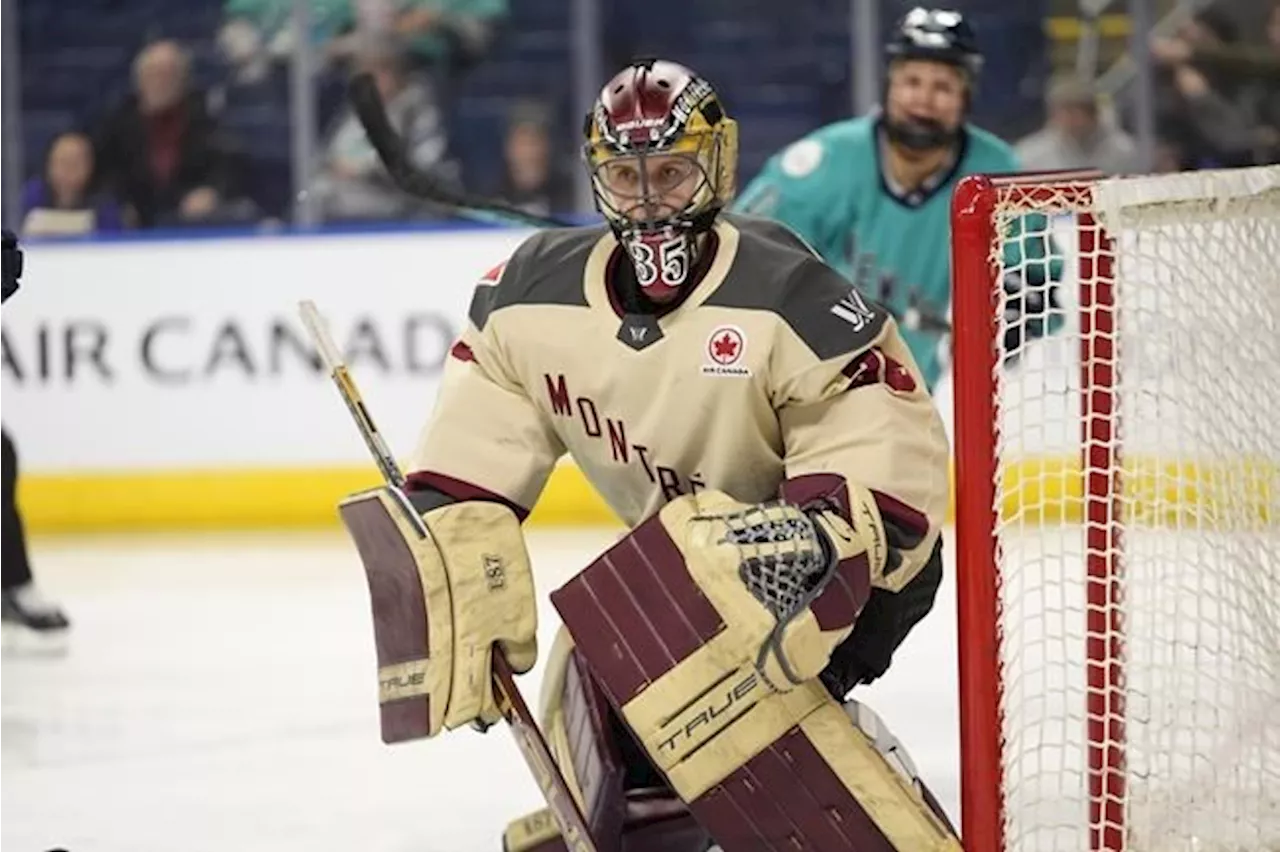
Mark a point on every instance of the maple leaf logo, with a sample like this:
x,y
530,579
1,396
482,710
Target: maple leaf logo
x,y
724,346
724,350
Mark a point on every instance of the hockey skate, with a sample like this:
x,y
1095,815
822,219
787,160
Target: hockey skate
x,y
31,623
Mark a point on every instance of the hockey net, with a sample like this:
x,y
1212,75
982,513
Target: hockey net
x,y
1118,531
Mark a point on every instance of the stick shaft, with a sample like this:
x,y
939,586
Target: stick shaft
x,y
573,825
332,359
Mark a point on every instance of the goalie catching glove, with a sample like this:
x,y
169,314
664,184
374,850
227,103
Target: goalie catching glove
x,y
444,588
808,571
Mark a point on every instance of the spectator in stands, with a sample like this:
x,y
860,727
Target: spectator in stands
x,y
447,37
1253,71
160,150
443,39
1171,154
1076,136
62,200
352,184
1207,111
259,32
534,179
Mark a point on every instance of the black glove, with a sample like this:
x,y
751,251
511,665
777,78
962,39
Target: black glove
x,y
11,268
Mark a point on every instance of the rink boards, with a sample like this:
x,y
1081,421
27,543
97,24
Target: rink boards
x,y
169,384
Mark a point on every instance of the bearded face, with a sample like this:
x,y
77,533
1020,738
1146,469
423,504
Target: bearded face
x,y
925,104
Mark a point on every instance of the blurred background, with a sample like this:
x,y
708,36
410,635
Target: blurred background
x,y
242,100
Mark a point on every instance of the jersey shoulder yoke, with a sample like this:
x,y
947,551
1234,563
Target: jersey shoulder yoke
x,y
546,269
775,271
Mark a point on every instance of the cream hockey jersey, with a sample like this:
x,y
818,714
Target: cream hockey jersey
x,y
772,368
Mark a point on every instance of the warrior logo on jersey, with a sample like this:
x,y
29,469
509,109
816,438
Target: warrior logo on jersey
x,y
907,304
725,348
853,310
639,331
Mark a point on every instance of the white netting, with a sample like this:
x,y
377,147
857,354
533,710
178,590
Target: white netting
x,y
1193,535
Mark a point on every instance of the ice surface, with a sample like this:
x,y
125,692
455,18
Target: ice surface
x,y
219,694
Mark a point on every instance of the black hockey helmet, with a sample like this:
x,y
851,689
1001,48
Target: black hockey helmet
x,y
941,35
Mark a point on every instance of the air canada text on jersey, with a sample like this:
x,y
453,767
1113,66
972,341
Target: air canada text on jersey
x,y
184,349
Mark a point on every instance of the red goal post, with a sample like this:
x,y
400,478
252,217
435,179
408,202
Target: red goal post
x,y
1119,677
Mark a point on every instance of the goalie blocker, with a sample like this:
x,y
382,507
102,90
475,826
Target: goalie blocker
x,y
718,600
444,589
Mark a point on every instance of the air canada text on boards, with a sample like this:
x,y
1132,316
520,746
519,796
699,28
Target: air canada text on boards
x,y
183,349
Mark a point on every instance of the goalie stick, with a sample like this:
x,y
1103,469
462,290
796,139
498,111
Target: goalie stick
x,y
529,738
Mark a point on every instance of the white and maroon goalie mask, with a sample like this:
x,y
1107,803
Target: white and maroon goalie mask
x,y
662,156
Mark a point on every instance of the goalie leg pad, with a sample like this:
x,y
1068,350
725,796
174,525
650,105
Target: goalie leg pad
x,y
760,769
443,589
895,755
586,739
583,745
655,821
823,784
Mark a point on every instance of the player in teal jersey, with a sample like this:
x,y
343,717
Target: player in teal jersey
x,y
872,195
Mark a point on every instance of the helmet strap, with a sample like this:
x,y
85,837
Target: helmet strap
x,y
920,138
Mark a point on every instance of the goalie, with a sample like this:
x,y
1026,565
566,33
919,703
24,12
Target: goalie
x,y
767,436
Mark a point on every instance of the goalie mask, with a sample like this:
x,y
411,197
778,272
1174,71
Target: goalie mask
x,y
662,156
